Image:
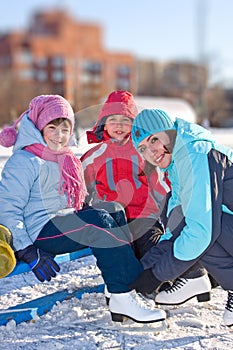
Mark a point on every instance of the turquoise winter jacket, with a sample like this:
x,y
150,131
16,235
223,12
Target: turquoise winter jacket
x,y
28,189
197,172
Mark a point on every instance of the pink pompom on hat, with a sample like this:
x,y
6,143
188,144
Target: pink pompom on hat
x,y
42,110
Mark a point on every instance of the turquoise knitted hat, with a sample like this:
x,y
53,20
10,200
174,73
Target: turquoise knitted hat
x,y
148,122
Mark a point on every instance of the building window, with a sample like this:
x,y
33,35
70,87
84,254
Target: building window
x,y
123,84
41,76
26,74
92,72
42,62
85,78
57,61
24,56
92,67
57,76
123,70
96,79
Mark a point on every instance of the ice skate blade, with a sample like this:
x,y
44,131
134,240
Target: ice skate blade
x,y
130,326
201,298
126,327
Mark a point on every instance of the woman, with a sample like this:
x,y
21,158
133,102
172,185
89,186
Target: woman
x,y
200,210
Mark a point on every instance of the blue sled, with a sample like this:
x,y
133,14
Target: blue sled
x,y
40,306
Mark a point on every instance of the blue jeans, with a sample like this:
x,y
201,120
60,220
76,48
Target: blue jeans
x,y
94,228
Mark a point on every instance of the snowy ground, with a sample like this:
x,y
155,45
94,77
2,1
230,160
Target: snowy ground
x,y
84,324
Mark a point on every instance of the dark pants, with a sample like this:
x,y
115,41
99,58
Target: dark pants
x,y
145,231
218,259
98,230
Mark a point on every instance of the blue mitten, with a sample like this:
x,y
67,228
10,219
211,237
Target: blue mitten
x,y
41,263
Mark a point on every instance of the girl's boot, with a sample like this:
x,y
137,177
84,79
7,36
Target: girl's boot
x,y
133,306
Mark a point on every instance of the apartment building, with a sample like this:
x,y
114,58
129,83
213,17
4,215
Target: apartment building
x,y
59,54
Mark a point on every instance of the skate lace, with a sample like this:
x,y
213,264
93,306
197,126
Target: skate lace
x,y
178,284
229,305
146,300
138,298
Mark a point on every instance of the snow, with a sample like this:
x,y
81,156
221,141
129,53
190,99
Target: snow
x,y
175,107
85,324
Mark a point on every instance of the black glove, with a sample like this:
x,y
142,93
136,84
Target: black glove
x,y
41,263
146,282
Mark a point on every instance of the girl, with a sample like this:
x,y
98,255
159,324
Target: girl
x,y
42,194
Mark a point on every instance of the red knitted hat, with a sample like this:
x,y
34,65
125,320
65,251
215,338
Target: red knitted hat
x,y
118,102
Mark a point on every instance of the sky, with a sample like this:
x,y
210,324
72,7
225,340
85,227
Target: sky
x,y
193,30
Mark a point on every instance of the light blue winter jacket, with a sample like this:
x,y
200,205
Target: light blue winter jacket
x,y
28,189
189,174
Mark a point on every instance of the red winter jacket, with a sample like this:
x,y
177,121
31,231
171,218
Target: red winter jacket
x,y
112,173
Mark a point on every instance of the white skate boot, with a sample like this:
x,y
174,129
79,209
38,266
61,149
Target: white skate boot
x,y
107,294
228,313
149,301
184,289
131,305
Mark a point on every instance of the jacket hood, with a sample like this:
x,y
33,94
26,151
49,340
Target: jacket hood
x,y
118,102
188,132
28,134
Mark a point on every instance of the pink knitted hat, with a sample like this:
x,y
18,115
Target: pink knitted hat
x,y
42,110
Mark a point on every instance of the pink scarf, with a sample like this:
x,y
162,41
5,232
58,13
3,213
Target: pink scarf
x,y
71,174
